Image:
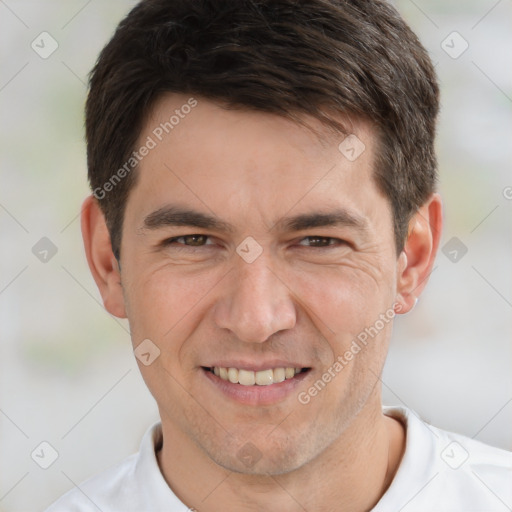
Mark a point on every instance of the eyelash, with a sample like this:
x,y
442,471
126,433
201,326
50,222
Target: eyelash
x,y
171,241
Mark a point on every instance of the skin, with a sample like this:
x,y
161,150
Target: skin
x,y
299,300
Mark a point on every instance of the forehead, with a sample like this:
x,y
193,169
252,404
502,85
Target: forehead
x,y
173,116
250,163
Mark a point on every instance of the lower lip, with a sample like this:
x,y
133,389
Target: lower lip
x,y
256,395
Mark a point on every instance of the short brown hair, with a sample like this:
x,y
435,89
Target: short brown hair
x,y
321,58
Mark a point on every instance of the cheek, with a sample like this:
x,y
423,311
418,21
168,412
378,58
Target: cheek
x,y
343,300
165,305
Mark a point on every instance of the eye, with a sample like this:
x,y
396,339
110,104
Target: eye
x,y
200,240
196,240
322,241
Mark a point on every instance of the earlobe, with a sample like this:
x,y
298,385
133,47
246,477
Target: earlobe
x,y
417,258
102,262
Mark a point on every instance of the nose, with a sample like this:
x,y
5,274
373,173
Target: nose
x,y
257,302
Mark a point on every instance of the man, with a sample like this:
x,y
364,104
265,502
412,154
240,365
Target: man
x,y
264,204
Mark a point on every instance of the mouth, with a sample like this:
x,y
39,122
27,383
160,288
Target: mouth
x,y
255,387
255,378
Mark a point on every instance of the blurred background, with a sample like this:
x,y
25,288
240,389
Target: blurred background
x,y
68,376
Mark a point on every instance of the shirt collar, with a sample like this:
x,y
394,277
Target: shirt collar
x,y
156,493
417,466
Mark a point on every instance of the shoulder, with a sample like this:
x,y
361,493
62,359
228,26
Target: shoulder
x,y
442,470
134,484
99,491
474,465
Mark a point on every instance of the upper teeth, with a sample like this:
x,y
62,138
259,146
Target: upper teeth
x,y
250,378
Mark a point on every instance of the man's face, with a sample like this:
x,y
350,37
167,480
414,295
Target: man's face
x,y
213,300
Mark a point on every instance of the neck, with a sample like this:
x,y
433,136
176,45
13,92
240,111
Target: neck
x,y
351,475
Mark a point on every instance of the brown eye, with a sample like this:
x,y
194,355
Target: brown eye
x,y
322,241
188,240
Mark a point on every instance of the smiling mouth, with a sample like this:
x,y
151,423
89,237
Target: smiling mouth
x,y
259,378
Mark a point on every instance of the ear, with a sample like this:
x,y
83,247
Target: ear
x,y
101,259
417,258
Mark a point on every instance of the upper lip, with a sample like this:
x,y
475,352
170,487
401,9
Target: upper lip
x,y
255,366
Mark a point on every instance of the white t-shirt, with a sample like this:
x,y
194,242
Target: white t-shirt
x,y
439,472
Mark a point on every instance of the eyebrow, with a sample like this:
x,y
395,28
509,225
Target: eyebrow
x,y
180,216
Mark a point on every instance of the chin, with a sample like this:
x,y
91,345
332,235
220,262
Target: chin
x,y
260,456
265,465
